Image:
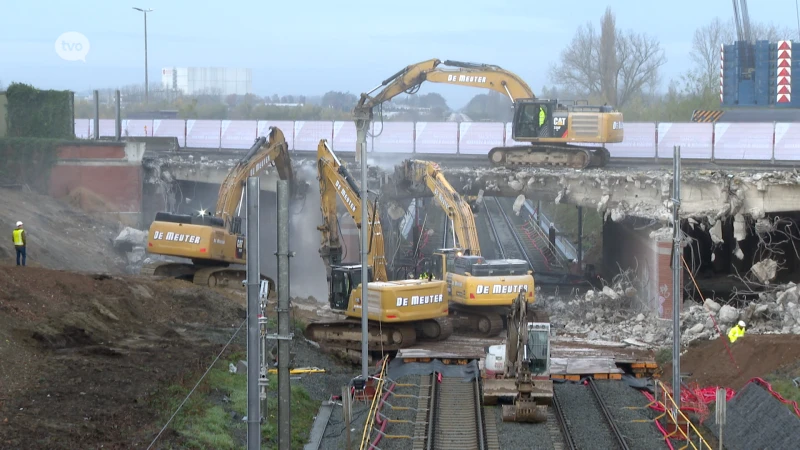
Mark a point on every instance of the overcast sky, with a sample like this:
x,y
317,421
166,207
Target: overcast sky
x,y
310,47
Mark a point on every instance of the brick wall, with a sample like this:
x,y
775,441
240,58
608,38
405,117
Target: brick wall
x,y
665,295
101,178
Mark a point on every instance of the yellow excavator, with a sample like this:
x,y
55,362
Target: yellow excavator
x,y
480,291
525,373
215,241
547,126
399,311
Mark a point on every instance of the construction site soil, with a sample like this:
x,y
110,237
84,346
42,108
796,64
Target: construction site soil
x,y
82,355
60,236
710,364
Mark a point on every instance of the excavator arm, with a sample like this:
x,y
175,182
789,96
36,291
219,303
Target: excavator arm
x,y
335,180
409,80
265,152
417,173
545,125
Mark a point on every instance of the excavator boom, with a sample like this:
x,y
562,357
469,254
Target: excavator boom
x,y
548,126
264,153
336,180
427,174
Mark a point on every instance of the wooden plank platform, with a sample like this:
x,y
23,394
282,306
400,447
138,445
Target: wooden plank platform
x,y
424,355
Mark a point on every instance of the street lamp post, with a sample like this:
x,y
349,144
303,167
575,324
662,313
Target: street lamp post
x,y
146,85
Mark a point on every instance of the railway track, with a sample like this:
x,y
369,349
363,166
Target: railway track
x,y
584,419
506,237
455,417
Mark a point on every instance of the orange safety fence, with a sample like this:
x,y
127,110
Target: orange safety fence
x,y
666,407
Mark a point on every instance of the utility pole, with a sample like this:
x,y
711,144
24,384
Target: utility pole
x,y
364,263
284,338
253,300
117,117
676,281
580,238
146,86
96,98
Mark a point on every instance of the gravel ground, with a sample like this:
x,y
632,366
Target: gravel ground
x,y
586,422
619,398
513,435
335,437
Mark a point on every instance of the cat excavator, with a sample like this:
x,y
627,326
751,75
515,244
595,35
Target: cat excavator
x,y
400,311
215,241
547,127
480,291
526,366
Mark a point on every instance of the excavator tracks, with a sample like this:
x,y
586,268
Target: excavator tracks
x,y
550,155
343,337
214,276
486,321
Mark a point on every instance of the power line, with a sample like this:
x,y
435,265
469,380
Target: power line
x,y
196,385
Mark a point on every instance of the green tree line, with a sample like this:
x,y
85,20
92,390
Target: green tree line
x,y
605,65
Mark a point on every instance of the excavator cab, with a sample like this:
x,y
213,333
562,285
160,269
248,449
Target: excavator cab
x,y
538,349
535,119
343,280
443,259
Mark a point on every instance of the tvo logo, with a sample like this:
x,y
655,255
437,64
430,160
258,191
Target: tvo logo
x,y
72,46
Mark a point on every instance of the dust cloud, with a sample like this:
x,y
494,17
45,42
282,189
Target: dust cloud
x,y
306,269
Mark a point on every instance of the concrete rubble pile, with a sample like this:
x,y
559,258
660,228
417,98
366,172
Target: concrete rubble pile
x,y
132,243
775,312
612,314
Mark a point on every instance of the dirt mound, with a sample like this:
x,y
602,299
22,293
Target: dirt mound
x,y
83,354
756,356
60,236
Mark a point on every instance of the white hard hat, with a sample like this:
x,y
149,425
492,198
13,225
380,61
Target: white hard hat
x,y
741,323
19,224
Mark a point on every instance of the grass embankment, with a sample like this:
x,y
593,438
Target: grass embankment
x,y
782,383
212,417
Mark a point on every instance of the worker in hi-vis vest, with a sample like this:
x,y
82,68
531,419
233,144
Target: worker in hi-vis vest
x,y
736,332
19,242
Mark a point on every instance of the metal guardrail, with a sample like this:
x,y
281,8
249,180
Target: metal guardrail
x,y
369,423
670,406
563,245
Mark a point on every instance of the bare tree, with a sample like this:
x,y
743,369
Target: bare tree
x,y
703,78
588,65
706,46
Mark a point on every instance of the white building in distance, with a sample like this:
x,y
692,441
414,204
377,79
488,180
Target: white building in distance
x,y
208,80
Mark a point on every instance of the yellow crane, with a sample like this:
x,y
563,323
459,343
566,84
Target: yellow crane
x,y
480,291
547,127
215,241
399,311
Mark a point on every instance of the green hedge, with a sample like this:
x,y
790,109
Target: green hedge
x,y
40,114
28,161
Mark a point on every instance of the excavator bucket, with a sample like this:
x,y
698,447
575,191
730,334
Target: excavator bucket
x,y
526,411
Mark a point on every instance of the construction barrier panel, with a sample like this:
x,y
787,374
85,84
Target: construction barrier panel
x,y
699,141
